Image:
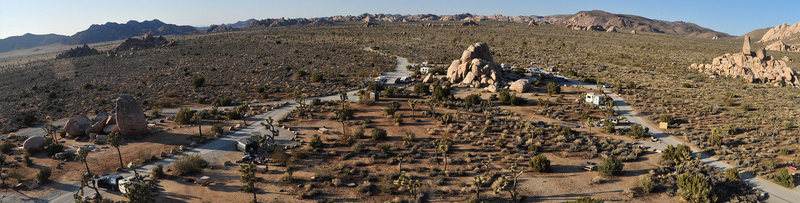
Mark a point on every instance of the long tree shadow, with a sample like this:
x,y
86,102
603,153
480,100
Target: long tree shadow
x,y
565,197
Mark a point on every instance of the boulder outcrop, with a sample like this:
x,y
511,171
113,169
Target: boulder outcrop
x,y
521,85
130,117
780,46
780,32
754,67
77,126
98,123
33,142
84,50
476,67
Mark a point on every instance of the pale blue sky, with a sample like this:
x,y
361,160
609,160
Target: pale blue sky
x,y
67,17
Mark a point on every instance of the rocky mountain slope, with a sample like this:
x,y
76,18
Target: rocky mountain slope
x,y
580,19
781,32
115,31
29,40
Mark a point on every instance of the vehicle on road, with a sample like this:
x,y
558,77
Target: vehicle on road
x,y
589,166
607,86
109,182
247,145
245,159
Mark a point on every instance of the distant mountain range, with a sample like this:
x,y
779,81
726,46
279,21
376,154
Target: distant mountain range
x,y
29,40
115,31
96,33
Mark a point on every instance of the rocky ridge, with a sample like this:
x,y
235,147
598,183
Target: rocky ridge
x,y
780,32
754,67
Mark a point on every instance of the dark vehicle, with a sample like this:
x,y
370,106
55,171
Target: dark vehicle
x,y
246,159
109,182
247,145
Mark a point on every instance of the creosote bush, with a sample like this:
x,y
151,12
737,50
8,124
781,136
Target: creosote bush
x,y
378,134
695,187
540,164
189,164
611,166
784,178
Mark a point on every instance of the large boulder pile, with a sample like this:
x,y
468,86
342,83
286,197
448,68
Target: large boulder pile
x,y
148,41
476,67
84,50
754,67
780,46
130,117
77,126
780,32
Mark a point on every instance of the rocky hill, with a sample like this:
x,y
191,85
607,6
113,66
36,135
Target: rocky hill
x,y
754,67
115,31
583,19
29,40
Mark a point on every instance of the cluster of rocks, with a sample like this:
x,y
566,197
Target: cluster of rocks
x,y
147,41
220,28
590,28
755,67
476,68
129,120
84,50
469,23
780,46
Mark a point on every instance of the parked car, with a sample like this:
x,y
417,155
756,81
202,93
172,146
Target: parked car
x,y
109,182
245,159
589,166
247,145
606,86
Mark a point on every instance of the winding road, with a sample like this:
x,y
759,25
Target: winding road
x,y
776,193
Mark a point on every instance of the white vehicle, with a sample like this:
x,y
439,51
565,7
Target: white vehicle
x,y
613,120
380,79
606,86
124,183
424,70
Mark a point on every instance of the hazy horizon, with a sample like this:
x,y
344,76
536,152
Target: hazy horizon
x,y
67,18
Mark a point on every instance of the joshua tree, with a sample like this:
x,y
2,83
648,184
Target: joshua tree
x,y
87,181
249,178
269,125
52,131
115,140
342,114
2,164
408,183
412,104
400,158
444,146
511,185
300,100
198,118
478,182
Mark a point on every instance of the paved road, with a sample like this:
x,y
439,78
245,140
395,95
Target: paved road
x,y
215,151
776,192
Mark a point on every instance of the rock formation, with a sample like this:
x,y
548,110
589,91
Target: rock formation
x,y
130,117
476,67
469,23
98,123
77,126
780,46
612,29
84,50
148,41
521,85
33,142
780,32
533,23
753,67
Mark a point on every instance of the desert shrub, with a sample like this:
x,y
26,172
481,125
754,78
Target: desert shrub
x,y
316,142
609,127
587,200
715,140
694,187
441,93
784,178
473,99
647,184
29,119
374,86
637,131
158,172
184,116
358,147
139,192
397,119
316,77
392,108
385,148
501,142
52,148
43,175
539,164
504,96
422,89
732,174
226,101
678,154
611,166
553,88
686,85
493,97
669,119
281,157
6,147
234,115
770,164
316,102
216,128
189,164
358,133
378,134
198,81
517,101
784,151
391,91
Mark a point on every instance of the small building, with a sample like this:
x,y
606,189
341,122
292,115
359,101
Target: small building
x,y
595,99
424,70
